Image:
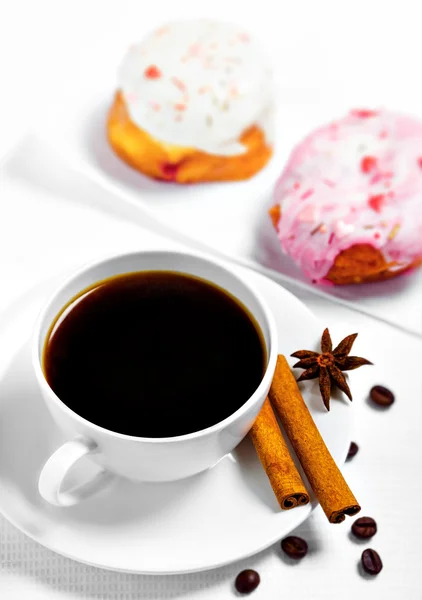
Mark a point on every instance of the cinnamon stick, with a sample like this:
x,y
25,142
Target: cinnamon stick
x,y
278,464
325,478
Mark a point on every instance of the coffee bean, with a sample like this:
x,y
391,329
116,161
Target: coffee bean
x,y
353,450
295,547
371,562
364,527
381,395
247,581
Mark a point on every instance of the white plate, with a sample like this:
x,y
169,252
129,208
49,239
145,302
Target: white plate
x,y
230,218
206,521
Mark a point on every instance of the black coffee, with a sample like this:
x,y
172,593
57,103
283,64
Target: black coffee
x,y
154,354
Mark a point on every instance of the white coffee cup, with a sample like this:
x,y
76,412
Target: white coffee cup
x,y
141,458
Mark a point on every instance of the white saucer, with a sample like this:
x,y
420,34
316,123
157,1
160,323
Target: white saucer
x,y
217,517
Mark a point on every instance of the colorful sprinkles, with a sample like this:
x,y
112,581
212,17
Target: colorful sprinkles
x,y
152,72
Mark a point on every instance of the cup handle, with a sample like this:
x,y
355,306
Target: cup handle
x,y
57,467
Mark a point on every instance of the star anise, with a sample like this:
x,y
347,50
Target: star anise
x,y
328,365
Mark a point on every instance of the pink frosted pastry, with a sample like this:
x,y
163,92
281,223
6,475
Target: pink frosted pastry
x,y
348,206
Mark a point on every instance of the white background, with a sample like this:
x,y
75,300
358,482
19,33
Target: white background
x,y
353,53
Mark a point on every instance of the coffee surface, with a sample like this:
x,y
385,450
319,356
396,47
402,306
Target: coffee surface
x,y
154,354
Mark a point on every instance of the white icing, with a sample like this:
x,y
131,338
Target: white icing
x,y
213,83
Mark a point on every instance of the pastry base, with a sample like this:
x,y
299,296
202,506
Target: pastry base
x,y
361,263
178,164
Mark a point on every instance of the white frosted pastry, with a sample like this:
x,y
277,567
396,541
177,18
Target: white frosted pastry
x,y
199,85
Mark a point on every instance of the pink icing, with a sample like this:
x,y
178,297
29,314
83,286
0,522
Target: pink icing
x,y
355,181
